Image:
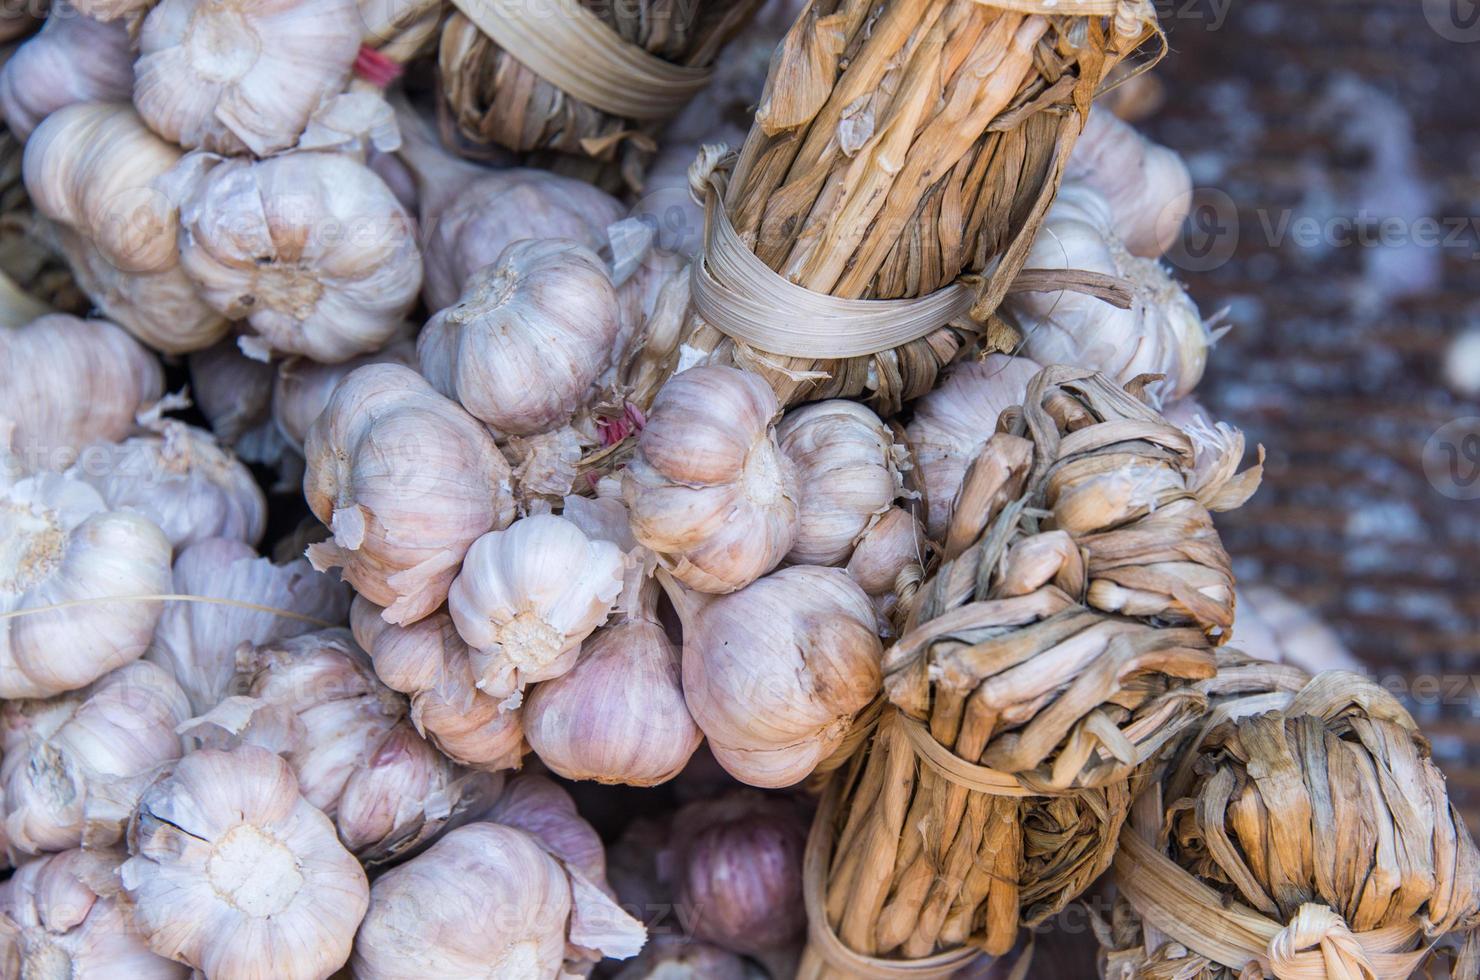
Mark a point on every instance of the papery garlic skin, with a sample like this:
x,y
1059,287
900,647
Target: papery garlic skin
x,y
894,543
774,674
197,641
235,874
75,764
242,75
709,490
62,919
406,480
59,543
73,59
1162,331
311,249
527,596
531,334
1147,186
301,387
69,383
848,473
179,477
429,663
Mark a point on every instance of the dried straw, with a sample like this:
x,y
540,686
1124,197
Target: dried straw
x,y
1020,702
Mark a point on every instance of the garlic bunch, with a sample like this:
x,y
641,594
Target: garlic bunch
x,y
60,545
774,674
314,699
848,473
894,543
709,489
60,917
406,480
73,59
75,764
301,387
527,340
736,867
618,715
236,874
489,900
180,478
952,424
242,76
197,641
527,596
70,383
311,249
429,663
1147,185
1162,331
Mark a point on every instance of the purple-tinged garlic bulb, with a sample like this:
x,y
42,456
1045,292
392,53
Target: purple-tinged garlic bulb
x,y
72,59
301,388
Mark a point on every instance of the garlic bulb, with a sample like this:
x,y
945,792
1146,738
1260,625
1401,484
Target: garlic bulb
x,y
236,874
671,957
737,869
406,480
893,544
242,76
774,673
311,249
618,715
75,764
180,478
848,473
527,596
60,917
545,811
488,900
1284,631
301,387
530,335
429,663
709,489
1147,186
953,422
59,543
70,383
1162,331
234,393
73,59
197,641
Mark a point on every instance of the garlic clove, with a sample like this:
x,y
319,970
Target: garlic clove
x,y
235,874
527,596
73,59
301,387
238,77
709,490
891,545
407,481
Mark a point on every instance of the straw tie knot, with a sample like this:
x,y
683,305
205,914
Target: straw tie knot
x,y
1317,925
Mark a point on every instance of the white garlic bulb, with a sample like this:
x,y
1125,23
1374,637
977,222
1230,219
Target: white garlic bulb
x,y
180,478
60,544
1273,626
70,383
234,393
236,874
848,474
242,76
618,715
1147,185
75,764
544,810
301,387
527,596
774,674
894,543
953,422
488,900
1162,331
406,480
429,663
62,918
73,59
197,641
531,334
709,490
311,249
